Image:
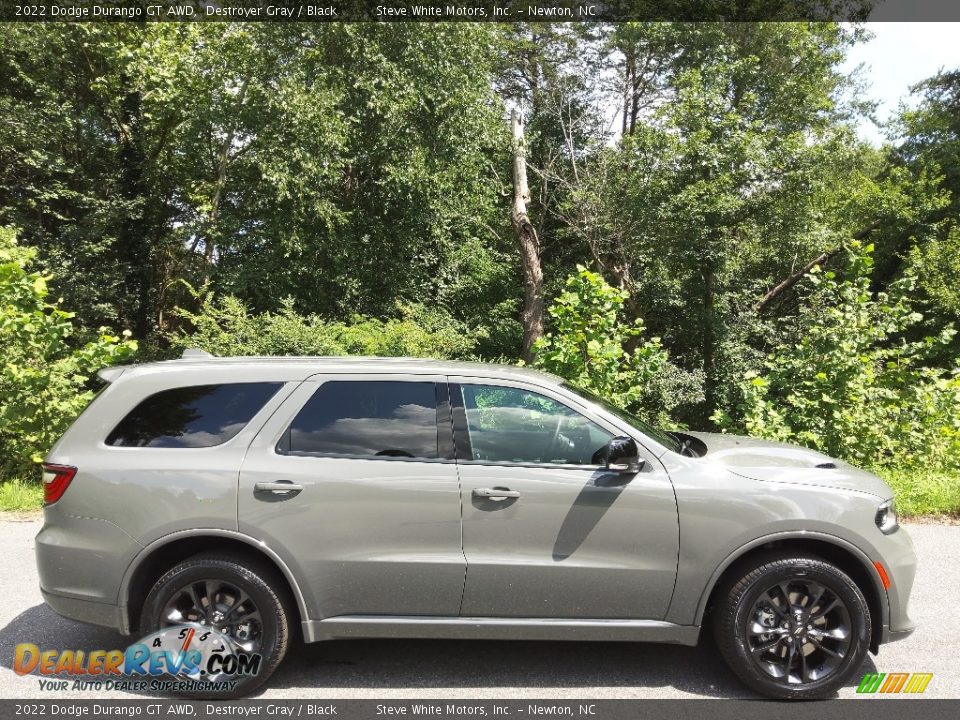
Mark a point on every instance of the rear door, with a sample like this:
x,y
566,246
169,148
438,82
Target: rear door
x,y
354,483
547,531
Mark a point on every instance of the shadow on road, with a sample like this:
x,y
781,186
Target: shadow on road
x,y
422,665
44,628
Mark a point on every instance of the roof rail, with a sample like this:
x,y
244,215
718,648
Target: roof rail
x,y
194,353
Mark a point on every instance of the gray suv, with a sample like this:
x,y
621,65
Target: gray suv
x,y
279,498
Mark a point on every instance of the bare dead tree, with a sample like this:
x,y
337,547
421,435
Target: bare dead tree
x,y
531,268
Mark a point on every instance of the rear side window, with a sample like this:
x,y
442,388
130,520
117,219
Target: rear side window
x,y
192,417
367,418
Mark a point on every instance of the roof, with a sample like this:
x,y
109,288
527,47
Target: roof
x,y
196,360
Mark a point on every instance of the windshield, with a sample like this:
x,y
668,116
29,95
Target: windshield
x,y
656,433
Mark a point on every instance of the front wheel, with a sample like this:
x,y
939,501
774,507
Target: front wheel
x,y
237,600
792,628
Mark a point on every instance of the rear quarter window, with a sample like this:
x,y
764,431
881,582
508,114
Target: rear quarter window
x,y
192,417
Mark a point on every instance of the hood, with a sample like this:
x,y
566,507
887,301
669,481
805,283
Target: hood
x,y
779,462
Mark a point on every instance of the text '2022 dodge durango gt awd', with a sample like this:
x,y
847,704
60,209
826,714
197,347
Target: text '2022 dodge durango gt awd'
x,y
268,498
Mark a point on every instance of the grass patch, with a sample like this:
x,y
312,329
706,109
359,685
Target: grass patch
x,y
925,492
18,496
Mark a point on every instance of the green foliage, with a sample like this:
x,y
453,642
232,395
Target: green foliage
x,y
729,176
44,381
344,165
852,384
225,326
937,267
924,491
20,496
594,347
929,148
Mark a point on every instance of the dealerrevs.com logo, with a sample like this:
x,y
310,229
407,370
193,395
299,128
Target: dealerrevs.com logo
x,y
181,658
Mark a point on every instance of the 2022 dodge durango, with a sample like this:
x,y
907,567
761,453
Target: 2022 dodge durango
x,y
274,498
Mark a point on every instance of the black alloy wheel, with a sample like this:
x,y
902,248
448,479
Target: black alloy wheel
x,y
220,605
239,598
792,627
799,631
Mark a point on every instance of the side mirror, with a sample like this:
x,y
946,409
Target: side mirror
x,y
623,455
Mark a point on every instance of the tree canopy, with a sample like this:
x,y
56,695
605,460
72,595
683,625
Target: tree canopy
x,y
348,188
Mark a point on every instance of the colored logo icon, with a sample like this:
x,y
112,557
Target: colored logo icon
x,y
891,683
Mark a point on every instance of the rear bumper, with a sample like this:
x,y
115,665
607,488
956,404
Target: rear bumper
x,y
88,611
80,563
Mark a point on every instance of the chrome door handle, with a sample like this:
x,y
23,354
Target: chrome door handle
x,y
495,493
280,487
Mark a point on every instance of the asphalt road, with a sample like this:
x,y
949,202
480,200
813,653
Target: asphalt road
x,y
449,669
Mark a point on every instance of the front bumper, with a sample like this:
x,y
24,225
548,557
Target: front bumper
x,y
889,636
900,562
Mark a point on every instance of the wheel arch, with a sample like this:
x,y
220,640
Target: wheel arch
x,y
846,556
162,554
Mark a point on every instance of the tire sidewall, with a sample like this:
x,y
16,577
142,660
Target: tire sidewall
x,y
839,583
274,630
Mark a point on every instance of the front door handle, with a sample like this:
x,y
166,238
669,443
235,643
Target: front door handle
x,y
283,488
495,493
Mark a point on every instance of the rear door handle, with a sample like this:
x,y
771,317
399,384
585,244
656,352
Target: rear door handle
x,y
280,487
495,493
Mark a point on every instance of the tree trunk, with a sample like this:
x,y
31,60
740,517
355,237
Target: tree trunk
x,y
532,314
137,232
709,340
628,76
788,283
820,259
221,181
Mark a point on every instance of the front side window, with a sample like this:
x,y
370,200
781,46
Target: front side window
x,y
514,425
367,418
661,436
192,417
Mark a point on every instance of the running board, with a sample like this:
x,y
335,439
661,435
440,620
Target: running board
x,y
345,627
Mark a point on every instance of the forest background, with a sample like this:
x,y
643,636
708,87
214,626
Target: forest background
x,y
680,216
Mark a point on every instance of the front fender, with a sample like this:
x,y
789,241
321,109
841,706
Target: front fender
x,y
848,547
724,515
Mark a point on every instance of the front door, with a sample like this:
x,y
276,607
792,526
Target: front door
x,y
547,531
353,483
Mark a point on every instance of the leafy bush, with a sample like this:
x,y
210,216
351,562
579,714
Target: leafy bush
x,y
44,380
853,385
591,346
225,326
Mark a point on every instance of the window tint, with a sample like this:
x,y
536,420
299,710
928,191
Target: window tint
x,y
513,425
192,417
372,418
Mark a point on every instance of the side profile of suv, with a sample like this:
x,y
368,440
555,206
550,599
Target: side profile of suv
x,y
387,497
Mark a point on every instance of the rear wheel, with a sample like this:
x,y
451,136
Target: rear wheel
x,y
235,599
792,627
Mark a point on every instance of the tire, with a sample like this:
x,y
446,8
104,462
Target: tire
x,y
814,644
228,574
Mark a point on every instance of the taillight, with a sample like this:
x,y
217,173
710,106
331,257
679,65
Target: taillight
x,y
56,480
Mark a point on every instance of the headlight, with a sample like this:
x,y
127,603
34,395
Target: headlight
x,y
886,517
